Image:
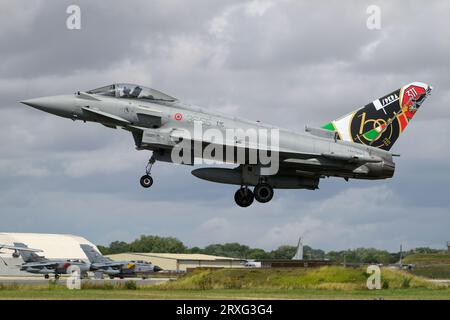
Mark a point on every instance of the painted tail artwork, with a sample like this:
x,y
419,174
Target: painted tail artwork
x,y
380,123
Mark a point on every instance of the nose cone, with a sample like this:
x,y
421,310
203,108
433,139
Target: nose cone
x,y
157,269
59,105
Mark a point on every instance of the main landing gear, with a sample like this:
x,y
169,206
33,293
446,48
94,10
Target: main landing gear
x,y
147,180
244,197
263,192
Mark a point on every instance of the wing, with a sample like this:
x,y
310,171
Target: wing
x,y
104,117
321,159
5,246
327,163
113,265
41,265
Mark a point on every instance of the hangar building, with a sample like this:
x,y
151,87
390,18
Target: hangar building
x,y
180,262
53,246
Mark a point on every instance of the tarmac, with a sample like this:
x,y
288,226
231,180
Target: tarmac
x,y
33,280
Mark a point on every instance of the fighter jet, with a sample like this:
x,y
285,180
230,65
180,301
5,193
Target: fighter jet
x,y
16,251
354,146
121,269
34,263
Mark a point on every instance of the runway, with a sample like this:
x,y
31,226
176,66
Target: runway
x,y
33,280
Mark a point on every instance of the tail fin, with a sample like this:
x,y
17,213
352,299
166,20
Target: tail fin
x,y
28,255
380,123
92,254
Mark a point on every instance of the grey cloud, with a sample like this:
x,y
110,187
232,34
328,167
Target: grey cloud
x,y
289,63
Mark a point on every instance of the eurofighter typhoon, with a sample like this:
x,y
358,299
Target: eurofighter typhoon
x,y
354,146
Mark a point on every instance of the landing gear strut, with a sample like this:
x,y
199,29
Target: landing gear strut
x,y
244,197
146,180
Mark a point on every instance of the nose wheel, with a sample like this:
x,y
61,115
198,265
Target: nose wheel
x,y
147,180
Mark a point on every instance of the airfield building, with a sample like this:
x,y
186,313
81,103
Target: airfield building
x,y
181,262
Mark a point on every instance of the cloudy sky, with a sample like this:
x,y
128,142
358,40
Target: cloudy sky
x,y
289,63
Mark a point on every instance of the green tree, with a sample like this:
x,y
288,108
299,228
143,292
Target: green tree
x,y
104,250
362,255
194,250
119,247
257,254
232,250
283,252
157,244
312,254
149,243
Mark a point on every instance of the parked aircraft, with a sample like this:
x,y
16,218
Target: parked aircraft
x,y
119,269
34,263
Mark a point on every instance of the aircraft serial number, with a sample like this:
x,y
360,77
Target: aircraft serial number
x,y
245,309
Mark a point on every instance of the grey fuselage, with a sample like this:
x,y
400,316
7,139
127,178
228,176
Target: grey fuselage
x,y
124,268
156,125
54,266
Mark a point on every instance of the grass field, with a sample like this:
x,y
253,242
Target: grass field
x,y
147,293
434,266
424,259
323,283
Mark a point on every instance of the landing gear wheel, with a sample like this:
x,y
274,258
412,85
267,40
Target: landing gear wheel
x,y
244,197
263,192
146,181
46,276
56,276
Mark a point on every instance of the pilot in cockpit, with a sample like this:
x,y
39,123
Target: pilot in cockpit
x,y
126,92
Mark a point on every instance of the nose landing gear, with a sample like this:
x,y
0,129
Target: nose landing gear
x,y
146,180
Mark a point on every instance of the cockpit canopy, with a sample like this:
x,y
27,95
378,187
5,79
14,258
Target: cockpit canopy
x,y
131,91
